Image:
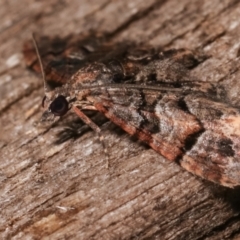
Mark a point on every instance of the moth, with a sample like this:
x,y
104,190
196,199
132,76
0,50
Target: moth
x,y
149,93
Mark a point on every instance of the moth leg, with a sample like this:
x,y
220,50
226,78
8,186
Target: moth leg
x,y
95,128
89,108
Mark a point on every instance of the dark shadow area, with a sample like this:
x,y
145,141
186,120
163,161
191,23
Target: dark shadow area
x,y
229,195
73,127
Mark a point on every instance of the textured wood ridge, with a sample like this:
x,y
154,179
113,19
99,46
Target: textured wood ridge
x,y
54,184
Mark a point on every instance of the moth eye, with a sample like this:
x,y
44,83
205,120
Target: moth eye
x,y
59,106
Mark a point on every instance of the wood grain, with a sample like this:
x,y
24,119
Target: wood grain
x,y
54,184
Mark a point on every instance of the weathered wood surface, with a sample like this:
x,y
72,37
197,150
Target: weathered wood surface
x,y
54,184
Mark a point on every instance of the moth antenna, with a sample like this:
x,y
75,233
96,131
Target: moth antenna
x,y
45,85
132,86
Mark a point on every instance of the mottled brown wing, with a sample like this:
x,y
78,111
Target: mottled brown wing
x,y
62,57
216,152
202,134
156,118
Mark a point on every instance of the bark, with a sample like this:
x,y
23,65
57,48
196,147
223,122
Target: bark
x,y
54,183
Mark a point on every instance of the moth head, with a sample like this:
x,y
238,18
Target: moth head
x,y
55,105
